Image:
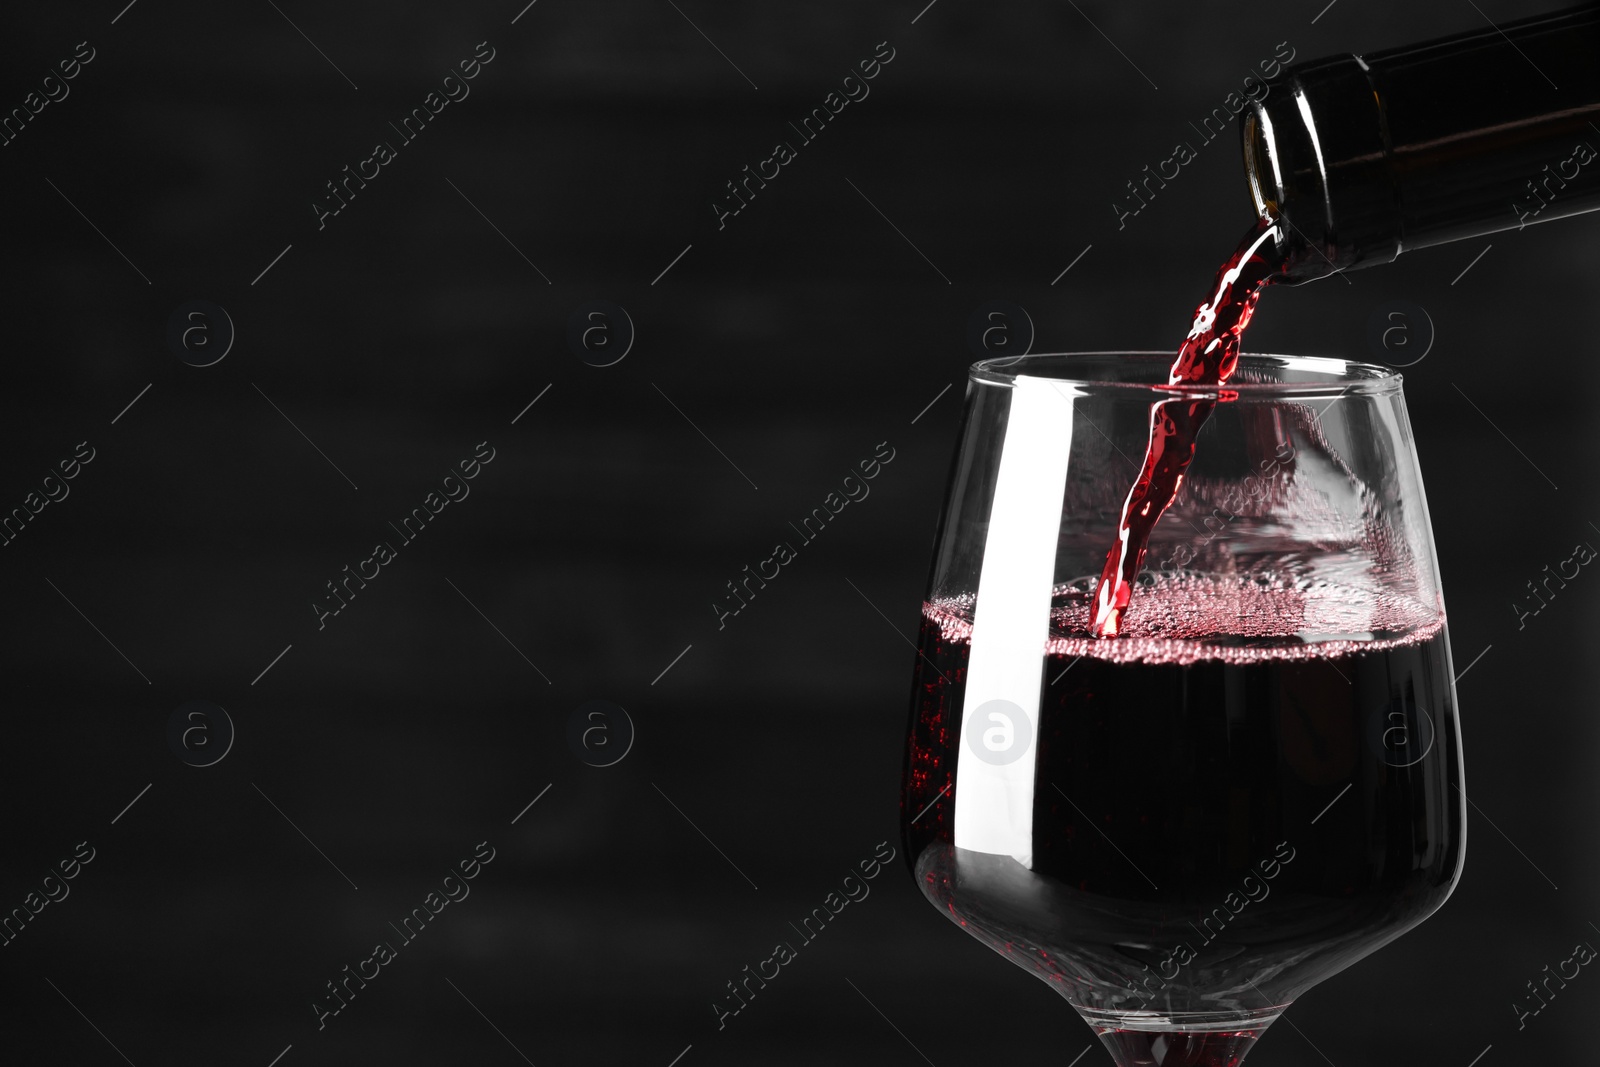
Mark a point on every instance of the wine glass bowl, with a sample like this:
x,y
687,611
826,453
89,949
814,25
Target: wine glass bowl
x,y
1256,783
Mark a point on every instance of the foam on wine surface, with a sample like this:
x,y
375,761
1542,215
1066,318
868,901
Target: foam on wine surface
x,y
1181,619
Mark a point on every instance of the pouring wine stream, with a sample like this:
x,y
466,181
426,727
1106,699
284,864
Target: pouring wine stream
x,y
1208,356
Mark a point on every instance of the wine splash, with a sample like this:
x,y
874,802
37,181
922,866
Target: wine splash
x,y
1208,356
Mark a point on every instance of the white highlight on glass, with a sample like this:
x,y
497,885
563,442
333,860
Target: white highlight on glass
x,y
1011,623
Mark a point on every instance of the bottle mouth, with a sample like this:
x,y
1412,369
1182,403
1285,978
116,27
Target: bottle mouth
x,y
1264,167
1258,376
1261,162
1317,160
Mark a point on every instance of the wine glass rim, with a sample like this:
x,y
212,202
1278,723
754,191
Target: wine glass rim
x,y
1325,375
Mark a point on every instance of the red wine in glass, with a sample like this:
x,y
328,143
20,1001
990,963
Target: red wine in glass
x,y
1218,819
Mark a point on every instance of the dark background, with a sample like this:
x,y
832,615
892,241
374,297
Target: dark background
x,y
796,339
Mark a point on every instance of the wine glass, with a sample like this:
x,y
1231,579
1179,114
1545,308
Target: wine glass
x,y
1257,782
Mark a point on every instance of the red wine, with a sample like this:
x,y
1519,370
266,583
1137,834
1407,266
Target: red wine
x,y
1208,356
1141,1048
1290,808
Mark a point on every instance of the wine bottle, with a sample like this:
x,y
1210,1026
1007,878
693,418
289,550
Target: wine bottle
x,y
1363,157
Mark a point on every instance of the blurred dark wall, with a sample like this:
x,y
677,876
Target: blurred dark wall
x,y
771,354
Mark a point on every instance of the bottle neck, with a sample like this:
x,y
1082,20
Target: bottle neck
x,y
1363,158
